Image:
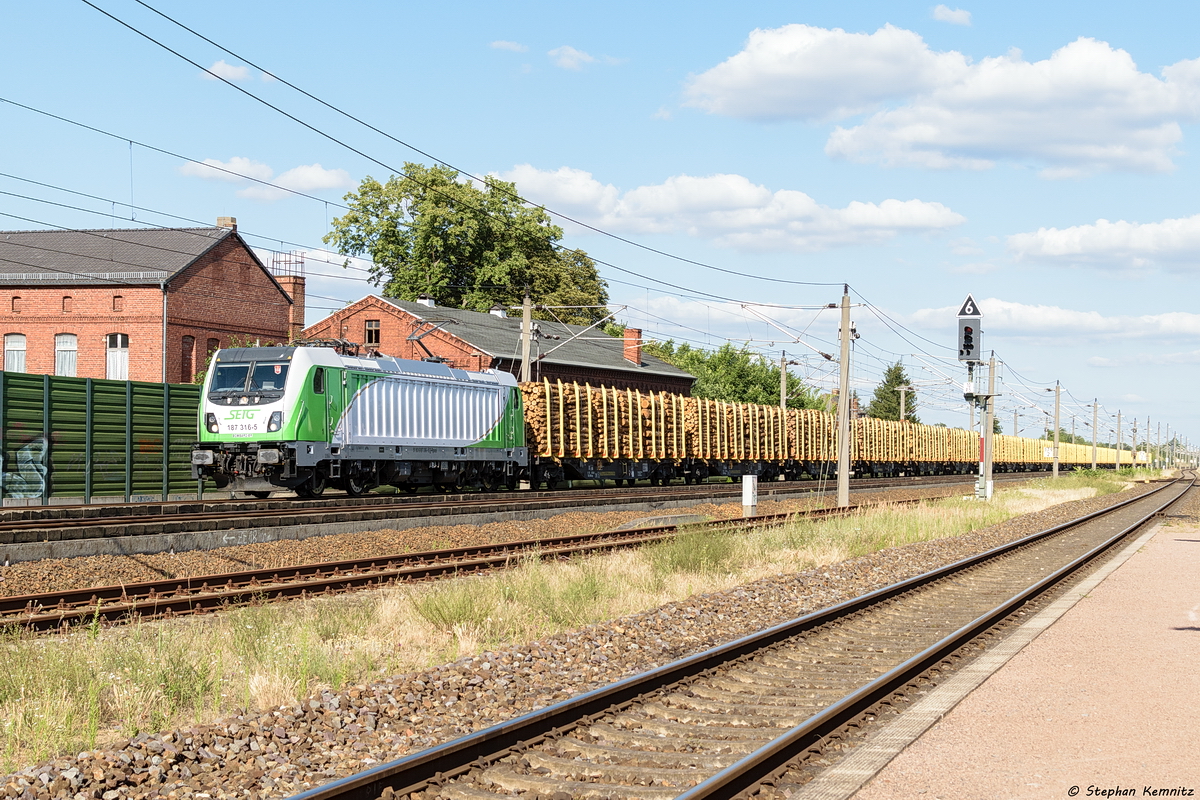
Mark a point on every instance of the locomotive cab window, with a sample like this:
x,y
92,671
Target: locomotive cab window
x,y
268,377
318,381
230,378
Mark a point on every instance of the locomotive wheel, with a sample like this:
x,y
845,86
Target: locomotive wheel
x,y
316,484
355,485
259,495
411,488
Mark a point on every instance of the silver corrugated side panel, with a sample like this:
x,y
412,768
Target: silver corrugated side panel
x,y
411,411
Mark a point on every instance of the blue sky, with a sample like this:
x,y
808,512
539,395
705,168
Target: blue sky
x,y
1038,157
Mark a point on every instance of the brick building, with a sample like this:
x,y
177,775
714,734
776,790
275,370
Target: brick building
x,y
146,304
472,340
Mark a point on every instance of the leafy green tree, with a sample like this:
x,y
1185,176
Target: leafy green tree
x,y
427,232
885,403
732,374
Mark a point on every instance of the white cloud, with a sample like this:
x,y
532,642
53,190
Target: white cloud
x,y
227,71
1173,244
955,16
236,170
568,57
804,72
1025,320
1085,108
730,210
1142,359
306,178
515,47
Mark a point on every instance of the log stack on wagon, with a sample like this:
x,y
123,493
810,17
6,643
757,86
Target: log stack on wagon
x,y
571,421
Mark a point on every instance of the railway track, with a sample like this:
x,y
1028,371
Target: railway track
x,y
37,524
197,595
725,722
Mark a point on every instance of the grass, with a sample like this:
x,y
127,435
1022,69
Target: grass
x,y
75,691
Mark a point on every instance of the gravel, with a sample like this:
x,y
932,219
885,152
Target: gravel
x,y
30,577
284,751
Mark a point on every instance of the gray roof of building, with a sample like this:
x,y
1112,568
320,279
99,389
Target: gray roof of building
x,y
502,338
102,257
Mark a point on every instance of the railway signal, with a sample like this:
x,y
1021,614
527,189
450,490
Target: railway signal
x,y
969,342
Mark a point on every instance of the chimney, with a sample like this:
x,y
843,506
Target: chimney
x,y
294,286
498,311
227,222
427,301
633,345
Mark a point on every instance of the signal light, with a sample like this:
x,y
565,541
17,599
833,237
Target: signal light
x,y
967,350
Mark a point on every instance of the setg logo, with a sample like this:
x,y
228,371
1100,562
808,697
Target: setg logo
x,y
240,414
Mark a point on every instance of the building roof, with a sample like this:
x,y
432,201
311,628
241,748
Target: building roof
x,y
102,257
501,338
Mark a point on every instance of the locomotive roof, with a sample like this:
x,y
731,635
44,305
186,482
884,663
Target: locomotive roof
x,y
501,337
327,356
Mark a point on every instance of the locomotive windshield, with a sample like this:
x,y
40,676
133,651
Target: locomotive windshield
x,y
264,380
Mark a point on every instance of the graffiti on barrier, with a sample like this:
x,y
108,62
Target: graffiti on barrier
x,y
27,477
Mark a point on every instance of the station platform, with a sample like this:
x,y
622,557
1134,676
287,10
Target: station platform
x,y
1097,696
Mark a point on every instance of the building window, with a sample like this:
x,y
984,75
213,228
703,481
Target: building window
x,y
372,332
68,304
213,346
189,359
14,352
117,363
66,351
118,303
16,305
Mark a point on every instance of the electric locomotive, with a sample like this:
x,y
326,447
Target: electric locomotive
x,y
304,418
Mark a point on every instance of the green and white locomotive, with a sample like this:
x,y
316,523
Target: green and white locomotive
x,y
304,418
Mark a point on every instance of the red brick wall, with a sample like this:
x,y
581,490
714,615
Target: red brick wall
x,y
225,294
395,326
91,318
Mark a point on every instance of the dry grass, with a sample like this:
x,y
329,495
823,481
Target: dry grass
x,y
75,691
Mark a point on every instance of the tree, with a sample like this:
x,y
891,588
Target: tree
x,y
427,232
885,403
732,374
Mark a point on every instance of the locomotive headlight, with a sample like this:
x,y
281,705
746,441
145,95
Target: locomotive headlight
x,y
202,456
269,456
210,422
276,421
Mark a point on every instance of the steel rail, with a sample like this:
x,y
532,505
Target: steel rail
x,y
760,765
419,771
49,610
40,518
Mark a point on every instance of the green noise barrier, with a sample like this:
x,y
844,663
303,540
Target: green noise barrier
x,y
87,438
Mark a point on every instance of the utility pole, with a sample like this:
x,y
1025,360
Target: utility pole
x,y
1016,430
843,418
1133,453
1095,430
904,390
526,337
783,380
1118,438
1158,448
989,426
1057,396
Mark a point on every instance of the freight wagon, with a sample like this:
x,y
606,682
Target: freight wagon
x,y
304,418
